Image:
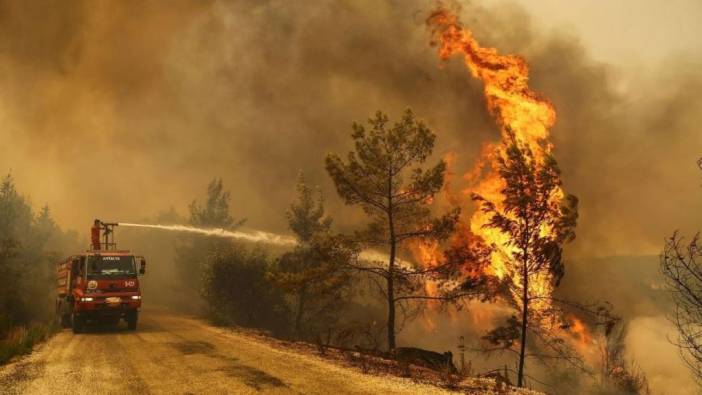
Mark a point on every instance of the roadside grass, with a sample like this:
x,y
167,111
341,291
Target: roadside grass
x,y
21,340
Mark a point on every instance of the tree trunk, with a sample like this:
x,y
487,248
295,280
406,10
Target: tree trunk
x,y
391,266
391,299
300,310
525,314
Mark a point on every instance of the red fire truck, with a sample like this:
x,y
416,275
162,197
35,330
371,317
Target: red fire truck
x,y
99,285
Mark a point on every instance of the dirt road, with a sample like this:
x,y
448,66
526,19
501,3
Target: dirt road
x,y
170,354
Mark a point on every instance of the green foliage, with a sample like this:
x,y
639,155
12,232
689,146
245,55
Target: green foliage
x,y
315,274
192,250
384,176
215,212
30,244
238,291
306,216
380,177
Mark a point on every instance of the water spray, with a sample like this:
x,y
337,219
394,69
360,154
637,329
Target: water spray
x,y
256,236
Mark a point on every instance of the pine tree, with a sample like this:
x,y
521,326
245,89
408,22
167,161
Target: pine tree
x,y
384,176
192,250
538,222
26,258
314,273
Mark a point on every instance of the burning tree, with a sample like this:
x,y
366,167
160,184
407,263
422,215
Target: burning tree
x,y
537,221
524,216
681,264
384,176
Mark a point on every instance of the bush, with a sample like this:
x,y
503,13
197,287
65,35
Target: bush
x,y
239,292
21,340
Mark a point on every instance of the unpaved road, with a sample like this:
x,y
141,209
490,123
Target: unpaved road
x,y
170,354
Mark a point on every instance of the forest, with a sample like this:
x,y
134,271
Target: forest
x,y
452,186
326,291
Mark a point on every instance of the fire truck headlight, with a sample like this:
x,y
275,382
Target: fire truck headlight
x,y
136,297
86,299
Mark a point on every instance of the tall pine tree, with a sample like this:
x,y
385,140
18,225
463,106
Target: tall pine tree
x,y
384,176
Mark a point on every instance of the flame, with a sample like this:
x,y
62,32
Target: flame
x,y
581,338
429,254
580,331
518,112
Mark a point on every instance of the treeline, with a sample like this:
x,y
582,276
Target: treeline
x,y
358,289
307,293
326,289
30,245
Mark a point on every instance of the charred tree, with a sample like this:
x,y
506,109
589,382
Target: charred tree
x,y
384,176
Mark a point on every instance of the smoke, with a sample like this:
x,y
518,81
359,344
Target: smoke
x,y
122,109
107,108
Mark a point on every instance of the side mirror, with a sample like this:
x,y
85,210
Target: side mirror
x,y
142,266
75,267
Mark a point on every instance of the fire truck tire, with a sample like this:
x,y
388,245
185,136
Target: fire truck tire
x,y
132,319
78,323
65,320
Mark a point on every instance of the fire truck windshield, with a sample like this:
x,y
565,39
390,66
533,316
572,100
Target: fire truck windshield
x,y
101,266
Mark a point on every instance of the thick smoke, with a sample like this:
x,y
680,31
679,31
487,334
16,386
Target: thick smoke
x,y
118,110
108,108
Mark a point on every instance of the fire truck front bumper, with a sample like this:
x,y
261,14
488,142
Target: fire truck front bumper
x,y
107,304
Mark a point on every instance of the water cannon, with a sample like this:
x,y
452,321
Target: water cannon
x,y
106,231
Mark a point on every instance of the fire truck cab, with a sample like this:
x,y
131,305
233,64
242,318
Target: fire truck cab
x,y
99,285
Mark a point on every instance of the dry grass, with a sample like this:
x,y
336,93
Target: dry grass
x,y
21,340
378,365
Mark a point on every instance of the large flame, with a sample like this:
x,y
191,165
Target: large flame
x,y
518,111
520,114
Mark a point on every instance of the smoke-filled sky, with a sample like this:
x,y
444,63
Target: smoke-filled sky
x,y
120,109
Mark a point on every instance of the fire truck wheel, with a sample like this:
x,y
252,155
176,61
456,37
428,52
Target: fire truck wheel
x,y
132,319
65,320
78,323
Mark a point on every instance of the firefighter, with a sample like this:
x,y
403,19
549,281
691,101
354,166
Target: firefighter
x,y
95,235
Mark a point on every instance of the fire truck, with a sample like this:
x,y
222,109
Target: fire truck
x,y
100,285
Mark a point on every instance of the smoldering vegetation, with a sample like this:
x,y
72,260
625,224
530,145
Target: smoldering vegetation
x,y
124,110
